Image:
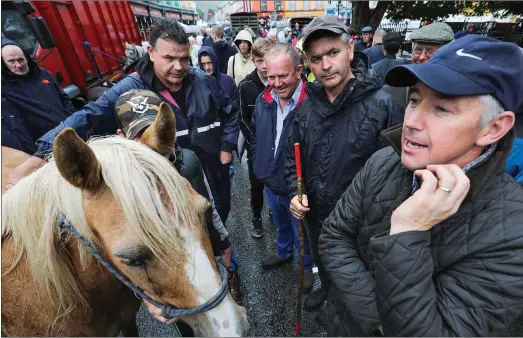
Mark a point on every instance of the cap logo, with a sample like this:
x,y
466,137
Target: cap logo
x,y
139,104
460,53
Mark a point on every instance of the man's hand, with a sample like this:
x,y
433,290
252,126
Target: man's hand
x,y
24,169
157,313
225,157
438,198
227,257
298,210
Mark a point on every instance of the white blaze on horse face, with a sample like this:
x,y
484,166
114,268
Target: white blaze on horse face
x,y
228,319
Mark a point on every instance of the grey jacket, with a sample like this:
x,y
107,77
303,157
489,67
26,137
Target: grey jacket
x,y
464,277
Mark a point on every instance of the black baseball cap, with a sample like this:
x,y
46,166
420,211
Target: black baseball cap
x,y
329,23
472,65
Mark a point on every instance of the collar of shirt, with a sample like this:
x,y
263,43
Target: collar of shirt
x,y
294,99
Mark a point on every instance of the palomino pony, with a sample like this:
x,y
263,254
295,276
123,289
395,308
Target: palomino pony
x,y
147,222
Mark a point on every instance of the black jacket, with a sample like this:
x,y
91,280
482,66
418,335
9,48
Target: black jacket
x,y
223,51
187,165
382,67
248,91
463,277
337,139
36,98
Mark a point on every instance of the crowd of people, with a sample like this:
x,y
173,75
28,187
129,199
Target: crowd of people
x,y
412,168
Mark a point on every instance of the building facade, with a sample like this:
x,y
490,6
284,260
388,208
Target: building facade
x,y
271,8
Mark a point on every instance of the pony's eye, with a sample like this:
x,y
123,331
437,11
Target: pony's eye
x,y
133,262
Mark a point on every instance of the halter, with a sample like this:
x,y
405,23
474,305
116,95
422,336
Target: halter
x,y
168,311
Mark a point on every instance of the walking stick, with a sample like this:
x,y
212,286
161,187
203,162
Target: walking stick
x,y
300,235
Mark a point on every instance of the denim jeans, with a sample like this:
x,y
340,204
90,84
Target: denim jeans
x,y
287,240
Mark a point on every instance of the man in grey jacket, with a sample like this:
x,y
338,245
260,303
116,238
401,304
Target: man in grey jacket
x,y
427,240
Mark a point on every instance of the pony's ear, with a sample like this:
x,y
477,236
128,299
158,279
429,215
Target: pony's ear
x,y
161,135
76,161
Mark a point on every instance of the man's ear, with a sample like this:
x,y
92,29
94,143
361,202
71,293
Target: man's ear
x,y
351,49
150,51
496,129
299,69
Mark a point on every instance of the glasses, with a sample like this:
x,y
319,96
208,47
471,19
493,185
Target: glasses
x,y
419,51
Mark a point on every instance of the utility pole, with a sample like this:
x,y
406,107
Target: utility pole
x,y
339,3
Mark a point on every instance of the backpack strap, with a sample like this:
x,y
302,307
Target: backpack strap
x,y
233,62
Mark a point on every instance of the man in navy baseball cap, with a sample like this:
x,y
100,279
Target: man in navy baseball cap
x,y
472,65
427,240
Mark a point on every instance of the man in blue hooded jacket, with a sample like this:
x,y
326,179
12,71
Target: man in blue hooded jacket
x,y
205,122
208,62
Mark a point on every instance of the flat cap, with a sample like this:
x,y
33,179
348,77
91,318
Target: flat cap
x,y
366,29
437,32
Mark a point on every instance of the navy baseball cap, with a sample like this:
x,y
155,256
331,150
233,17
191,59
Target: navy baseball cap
x,y
472,65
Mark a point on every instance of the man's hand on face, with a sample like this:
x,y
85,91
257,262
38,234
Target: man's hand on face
x,y
24,169
225,157
298,210
442,191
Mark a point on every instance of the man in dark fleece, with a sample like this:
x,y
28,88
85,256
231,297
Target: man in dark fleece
x,y
33,95
209,63
222,49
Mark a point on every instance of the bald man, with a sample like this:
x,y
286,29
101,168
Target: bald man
x,y
375,54
34,97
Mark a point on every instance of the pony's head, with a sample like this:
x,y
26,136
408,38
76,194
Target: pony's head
x,y
131,203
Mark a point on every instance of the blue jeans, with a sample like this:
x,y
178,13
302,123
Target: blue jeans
x,y
287,239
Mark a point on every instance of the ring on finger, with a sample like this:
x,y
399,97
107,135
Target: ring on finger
x,y
447,190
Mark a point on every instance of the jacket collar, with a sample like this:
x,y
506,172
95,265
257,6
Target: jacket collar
x,y
480,170
268,97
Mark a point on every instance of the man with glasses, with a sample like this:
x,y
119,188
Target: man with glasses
x,y
425,42
428,39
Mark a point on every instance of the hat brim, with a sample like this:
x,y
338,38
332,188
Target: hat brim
x,y
437,77
334,30
138,125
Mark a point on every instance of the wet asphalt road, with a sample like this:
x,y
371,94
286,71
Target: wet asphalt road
x,y
269,296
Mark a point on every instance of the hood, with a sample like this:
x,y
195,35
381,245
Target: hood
x,y
243,35
214,59
199,40
9,75
361,86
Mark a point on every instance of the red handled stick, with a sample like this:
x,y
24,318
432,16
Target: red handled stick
x,y
300,235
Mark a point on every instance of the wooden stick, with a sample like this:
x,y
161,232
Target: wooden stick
x,y
300,235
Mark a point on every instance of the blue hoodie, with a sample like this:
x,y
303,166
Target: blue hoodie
x,y
515,160
225,81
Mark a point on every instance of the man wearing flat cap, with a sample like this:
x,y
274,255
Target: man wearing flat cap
x,y
366,39
337,126
425,42
428,238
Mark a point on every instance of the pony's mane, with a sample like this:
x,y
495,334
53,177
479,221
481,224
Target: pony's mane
x,y
139,178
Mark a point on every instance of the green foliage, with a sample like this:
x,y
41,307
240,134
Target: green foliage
x,y
436,10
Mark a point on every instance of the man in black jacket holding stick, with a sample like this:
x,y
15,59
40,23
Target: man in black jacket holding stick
x,y
337,127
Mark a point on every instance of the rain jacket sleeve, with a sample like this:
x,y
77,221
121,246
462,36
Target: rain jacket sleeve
x,y
94,118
